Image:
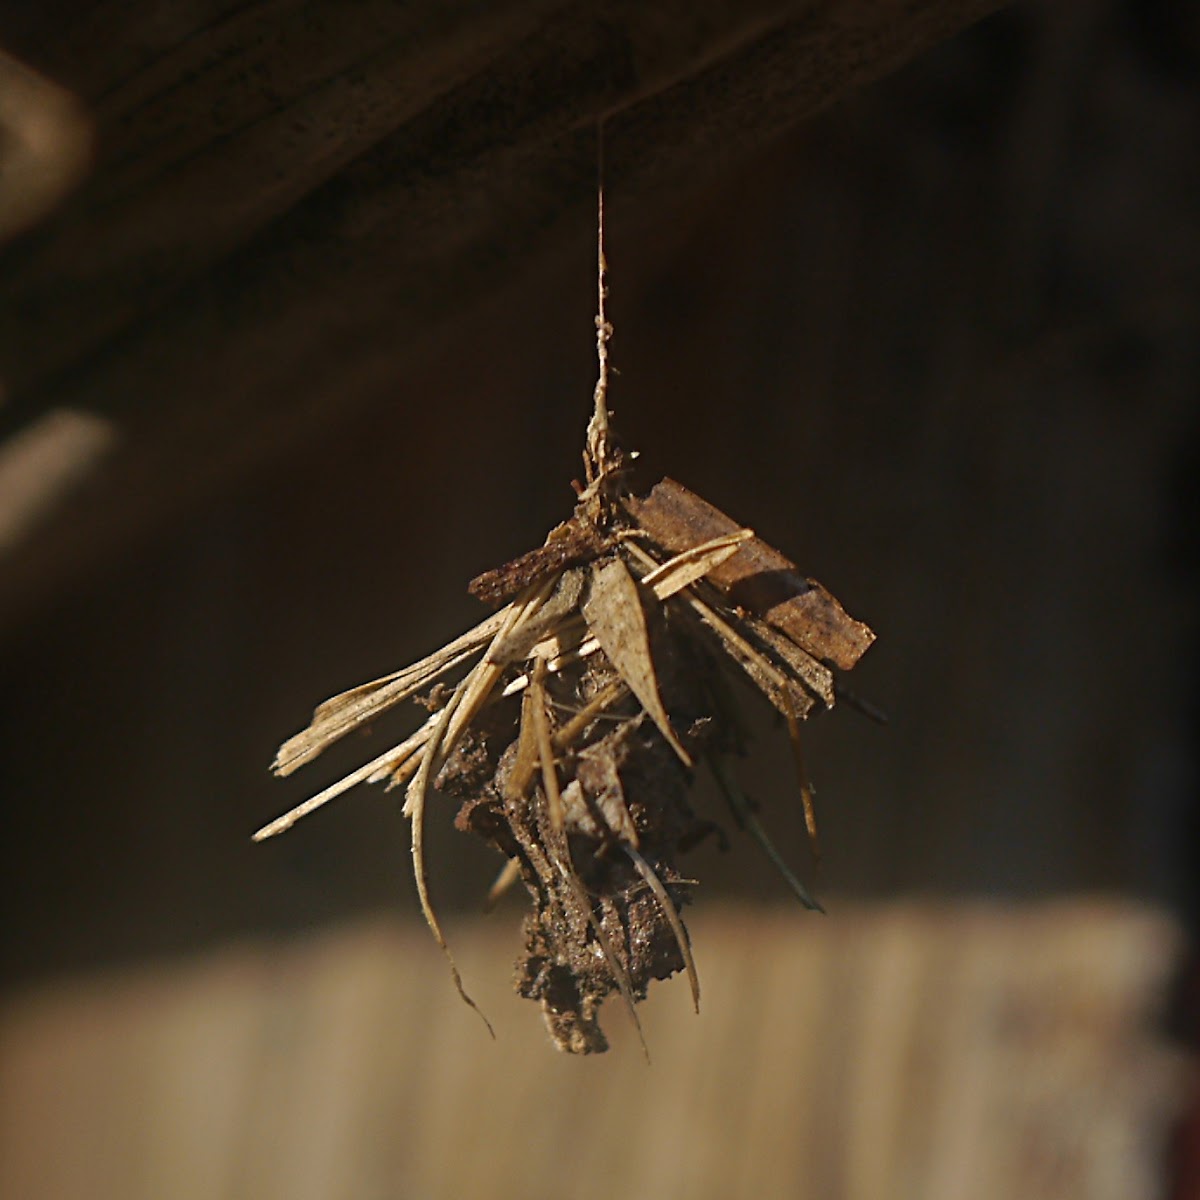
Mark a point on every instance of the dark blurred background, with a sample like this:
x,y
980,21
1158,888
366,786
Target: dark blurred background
x,y
940,343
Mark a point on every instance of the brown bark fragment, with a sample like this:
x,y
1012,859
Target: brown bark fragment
x,y
567,545
757,577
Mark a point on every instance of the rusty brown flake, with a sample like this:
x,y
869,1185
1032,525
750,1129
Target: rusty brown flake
x,y
757,577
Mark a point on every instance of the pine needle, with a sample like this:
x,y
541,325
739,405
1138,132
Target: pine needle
x,y
672,915
739,805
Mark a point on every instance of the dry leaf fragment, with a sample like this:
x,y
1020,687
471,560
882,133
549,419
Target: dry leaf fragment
x,y
597,804
613,611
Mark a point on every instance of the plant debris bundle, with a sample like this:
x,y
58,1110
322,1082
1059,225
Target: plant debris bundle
x,y
593,690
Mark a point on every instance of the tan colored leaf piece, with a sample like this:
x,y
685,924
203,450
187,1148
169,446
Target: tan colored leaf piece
x,y
536,698
600,811
613,611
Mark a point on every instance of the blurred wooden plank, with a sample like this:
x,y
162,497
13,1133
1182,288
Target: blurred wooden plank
x,y
895,1051
45,148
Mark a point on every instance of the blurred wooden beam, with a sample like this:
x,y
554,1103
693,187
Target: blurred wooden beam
x,y
885,1051
290,196
45,149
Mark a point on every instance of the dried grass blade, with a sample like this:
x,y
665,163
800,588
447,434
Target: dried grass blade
x,y
463,704
672,914
401,774
414,807
565,737
344,712
536,696
487,674
694,563
555,612
468,697
509,874
526,762
613,611
389,760
743,814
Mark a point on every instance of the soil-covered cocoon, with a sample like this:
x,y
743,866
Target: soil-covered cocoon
x,y
572,739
